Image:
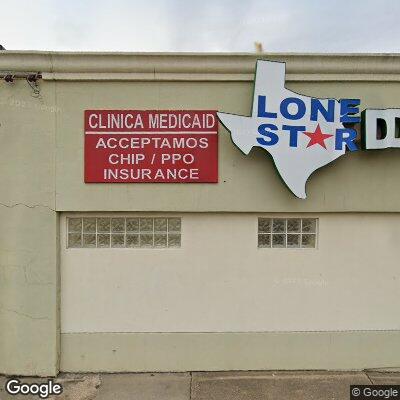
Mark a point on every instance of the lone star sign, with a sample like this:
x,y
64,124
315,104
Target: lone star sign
x,y
301,133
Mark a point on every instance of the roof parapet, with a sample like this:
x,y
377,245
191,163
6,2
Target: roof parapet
x,y
199,66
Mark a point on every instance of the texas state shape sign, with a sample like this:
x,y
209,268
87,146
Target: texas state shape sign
x,y
301,133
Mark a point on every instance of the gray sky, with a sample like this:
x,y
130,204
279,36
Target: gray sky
x,y
202,25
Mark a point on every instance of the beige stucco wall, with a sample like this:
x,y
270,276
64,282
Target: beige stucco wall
x,y
122,352
220,281
29,295
246,183
42,169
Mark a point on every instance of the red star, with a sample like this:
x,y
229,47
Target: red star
x,y
317,137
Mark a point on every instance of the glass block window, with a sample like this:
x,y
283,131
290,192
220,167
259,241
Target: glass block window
x,y
287,232
123,232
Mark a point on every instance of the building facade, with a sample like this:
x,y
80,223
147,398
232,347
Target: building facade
x,y
231,274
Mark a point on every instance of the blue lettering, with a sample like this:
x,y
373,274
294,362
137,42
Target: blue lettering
x,y
318,107
293,130
301,108
273,137
349,107
346,136
262,108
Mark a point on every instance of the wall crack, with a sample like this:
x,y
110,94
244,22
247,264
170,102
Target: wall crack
x,y
24,314
27,205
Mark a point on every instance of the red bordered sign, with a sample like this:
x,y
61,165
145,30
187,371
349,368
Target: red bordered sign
x,y
160,146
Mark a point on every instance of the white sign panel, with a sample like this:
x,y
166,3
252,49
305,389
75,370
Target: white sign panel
x,y
301,133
